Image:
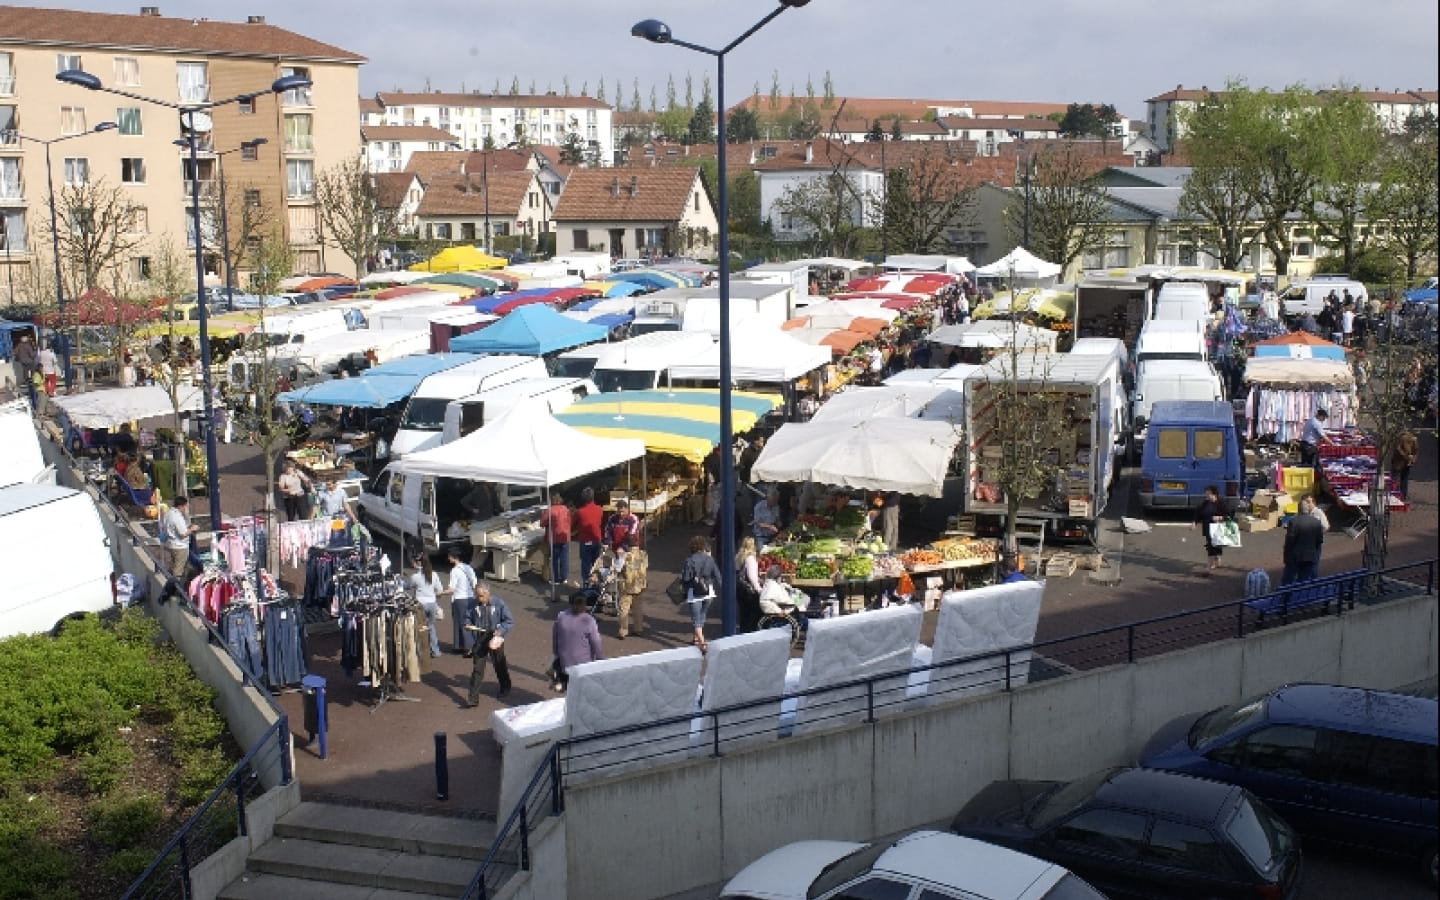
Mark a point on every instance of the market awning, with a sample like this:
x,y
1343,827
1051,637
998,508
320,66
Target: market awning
x,y
530,331
464,258
421,364
1299,345
116,406
907,401
759,353
685,422
1305,374
909,456
366,391
617,288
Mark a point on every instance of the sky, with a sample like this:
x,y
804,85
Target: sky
x,y
1062,51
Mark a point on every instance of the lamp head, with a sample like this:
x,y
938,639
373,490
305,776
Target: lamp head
x,y
652,30
181,142
255,142
795,3
79,78
104,126
290,83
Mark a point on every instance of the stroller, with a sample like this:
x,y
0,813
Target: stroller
x,y
603,597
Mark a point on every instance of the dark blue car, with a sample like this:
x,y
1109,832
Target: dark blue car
x,y
1340,764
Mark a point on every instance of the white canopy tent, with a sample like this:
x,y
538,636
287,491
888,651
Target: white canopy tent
x,y
524,446
994,333
115,406
758,353
1022,263
933,402
839,313
908,456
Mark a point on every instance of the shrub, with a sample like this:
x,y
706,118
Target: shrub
x,y
202,770
126,865
125,821
105,764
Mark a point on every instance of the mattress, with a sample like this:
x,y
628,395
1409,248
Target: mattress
x,y
632,690
983,621
742,669
851,647
525,734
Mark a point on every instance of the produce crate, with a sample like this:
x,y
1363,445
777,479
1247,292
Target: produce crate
x,y
1329,451
1062,565
1080,509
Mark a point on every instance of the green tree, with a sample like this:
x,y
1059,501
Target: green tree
x,y
742,126
827,91
1349,170
673,123
352,216
635,103
701,127
1080,120
924,198
572,151
745,203
774,96
1221,192
670,92
876,133
1405,201
1068,205
895,132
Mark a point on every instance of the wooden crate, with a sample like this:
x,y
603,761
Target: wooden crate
x,y
1062,565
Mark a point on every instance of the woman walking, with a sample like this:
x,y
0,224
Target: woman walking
x,y
747,585
574,639
701,578
426,585
1209,513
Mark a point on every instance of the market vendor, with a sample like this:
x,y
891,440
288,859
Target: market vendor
x,y
1311,436
839,500
333,501
479,503
765,519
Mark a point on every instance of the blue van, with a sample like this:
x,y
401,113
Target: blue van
x,y
1341,764
1189,445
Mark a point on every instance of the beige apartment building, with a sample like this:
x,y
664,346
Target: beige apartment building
x,y
176,61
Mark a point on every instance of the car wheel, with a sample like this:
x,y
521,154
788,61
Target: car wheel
x,y
61,625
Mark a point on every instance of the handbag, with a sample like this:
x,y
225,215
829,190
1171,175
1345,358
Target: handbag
x,y
676,591
1225,534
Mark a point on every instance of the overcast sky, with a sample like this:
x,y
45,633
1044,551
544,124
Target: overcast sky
x,y
1102,51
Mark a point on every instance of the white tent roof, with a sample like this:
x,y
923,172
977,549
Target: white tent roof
x,y
838,313
1024,263
758,352
116,406
1306,373
524,446
992,333
911,401
909,456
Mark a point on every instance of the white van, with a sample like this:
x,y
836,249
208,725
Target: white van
x,y
1304,297
422,510
21,459
60,579
581,361
639,364
1114,348
1182,301
299,328
1168,379
1171,339
471,413
423,420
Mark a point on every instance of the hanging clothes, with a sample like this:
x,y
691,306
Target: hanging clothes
x,y
237,625
284,636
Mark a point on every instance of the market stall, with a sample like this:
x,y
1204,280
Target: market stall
x,y
1284,393
761,354
530,331
932,401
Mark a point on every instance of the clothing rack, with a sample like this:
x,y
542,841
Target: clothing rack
x,y
378,627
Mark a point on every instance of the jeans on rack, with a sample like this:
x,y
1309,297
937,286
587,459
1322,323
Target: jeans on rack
x,y
242,641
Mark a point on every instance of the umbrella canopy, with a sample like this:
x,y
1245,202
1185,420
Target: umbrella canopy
x,y
367,391
421,364
463,279
98,306
657,278
514,303
1299,345
838,340
908,401
909,456
524,446
317,284
1022,263
530,331
841,311
402,291
116,406
887,299
684,422
617,288
464,258
375,279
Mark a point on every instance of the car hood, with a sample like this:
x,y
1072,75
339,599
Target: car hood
x,y
1001,805
787,873
1170,743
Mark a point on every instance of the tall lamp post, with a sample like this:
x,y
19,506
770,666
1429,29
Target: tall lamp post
x,y
658,32
55,241
186,112
225,255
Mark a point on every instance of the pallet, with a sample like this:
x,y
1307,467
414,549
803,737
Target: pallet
x,y
1061,565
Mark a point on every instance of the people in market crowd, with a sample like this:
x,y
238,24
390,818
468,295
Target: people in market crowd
x,y
890,520
621,525
1407,451
479,502
25,362
460,591
1311,436
555,519
294,486
1304,539
489,620
574,639
633,579
124,443
137,474
701,578
426,584
765,518
747,586
1010,569
1210,512
748,457
177,531
777,600
49,364
589,525
334,503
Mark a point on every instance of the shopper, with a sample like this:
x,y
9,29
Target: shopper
x,y
589,519
294,485
556,521
634,571
574,639
1311,436
426,585
1210,512
461,590
1303,540
701,578
1407,451
177,531
489,620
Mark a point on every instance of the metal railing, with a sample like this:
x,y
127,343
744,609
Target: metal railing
x,y
218,820
865,700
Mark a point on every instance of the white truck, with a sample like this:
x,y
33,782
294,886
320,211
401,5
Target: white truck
x,y
1082,430
21,459
423,420
640,363
1168,379
468,414
421,511
698,308
58,579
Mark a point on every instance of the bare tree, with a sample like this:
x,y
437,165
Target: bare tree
x,y
926,194
171,275
354,219
95,231
246,218
827,208
1069,208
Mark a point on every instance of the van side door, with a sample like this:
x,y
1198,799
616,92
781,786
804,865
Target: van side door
x,y
1378,789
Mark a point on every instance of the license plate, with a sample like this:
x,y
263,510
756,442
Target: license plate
x,y
1172,485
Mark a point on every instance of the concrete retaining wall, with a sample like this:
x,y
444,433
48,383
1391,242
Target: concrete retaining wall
x,y
696,823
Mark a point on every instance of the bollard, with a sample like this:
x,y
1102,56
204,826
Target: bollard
x,y
314,688
442,768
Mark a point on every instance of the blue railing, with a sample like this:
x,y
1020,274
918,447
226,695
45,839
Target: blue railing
x,y
218,820
712,732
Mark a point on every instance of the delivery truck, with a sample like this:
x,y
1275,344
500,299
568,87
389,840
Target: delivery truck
x,y
1080,431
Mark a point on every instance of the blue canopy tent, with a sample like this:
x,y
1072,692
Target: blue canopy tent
x,y
421,364
367,391
651,279
488,304
530,331
612,320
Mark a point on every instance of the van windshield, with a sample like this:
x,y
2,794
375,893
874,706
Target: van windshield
x,y
424,414
575,367
610,380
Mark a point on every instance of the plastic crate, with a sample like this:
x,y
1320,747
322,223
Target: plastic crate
x,y
1331,451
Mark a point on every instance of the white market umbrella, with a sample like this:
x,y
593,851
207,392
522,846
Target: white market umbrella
x,y
932,402
908,456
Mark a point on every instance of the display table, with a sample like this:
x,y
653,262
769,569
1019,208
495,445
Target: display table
x,y
510,538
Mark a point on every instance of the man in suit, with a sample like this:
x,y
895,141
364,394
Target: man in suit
x,y
1303,540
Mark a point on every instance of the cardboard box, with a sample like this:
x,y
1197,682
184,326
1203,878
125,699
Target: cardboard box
x,y
1264,522
1264,501
1080,509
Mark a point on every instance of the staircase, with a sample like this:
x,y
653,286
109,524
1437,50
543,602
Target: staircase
x,y
324,851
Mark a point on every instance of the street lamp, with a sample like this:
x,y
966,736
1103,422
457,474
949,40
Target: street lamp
x,y
55,241
225,255
186,112
658,32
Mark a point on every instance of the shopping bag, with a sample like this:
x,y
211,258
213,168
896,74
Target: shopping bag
x,y
676,592
1225,534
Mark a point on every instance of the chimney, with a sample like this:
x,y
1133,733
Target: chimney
x,y
255,20
809,152
149,10
634,185
615,187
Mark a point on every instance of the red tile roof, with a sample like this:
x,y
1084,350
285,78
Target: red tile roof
x,y
427,163
630,195
369,105
454,195
406,133
475,98
391,188
71,28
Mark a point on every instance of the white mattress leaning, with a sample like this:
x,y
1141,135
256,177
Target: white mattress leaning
x,y
525,734
742,669
984,621
631,690
863,645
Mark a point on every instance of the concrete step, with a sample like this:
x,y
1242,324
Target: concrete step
x,y
349,864
263,886
382,830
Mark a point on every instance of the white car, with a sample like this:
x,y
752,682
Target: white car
x,y
926,865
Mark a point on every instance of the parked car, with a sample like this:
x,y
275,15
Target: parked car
x,y
1144,833
926,865
1341,764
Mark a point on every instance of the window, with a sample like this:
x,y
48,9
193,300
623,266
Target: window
x,y
9,179
1382,764
65,62
7,74
427,497
467,231
440,230
127,120
1282,749
533,199
295,96
1209,444
397,489
7,126
139,220
875,888
580,237
299,179
132,170
299,137
249,152
191,80
1171,443
1304,249
1108,831
140,268
127,71
77,170
72,120
246,107
1186,847
12,231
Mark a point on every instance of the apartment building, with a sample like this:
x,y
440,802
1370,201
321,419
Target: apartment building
x,y
388,147
502,119
175,61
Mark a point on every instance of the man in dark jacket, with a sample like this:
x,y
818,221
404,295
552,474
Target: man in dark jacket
x,y
1303,540
489,618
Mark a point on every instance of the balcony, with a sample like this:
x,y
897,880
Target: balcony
x,y
195,93
300,143
300,190
7,85
296,97
207,187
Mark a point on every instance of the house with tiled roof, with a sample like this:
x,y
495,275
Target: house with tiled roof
x,y
387,148
400,191
429,163
175,60
479,120
475,206
636,212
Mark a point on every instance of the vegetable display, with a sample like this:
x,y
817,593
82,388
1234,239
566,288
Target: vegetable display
x,y
856,567
770,560
922,558
849,518
812,569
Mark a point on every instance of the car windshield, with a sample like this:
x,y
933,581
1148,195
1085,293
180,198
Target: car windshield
x,y
1072,888
1220,722
1058,804
846,868
424,414
1259,834
610,380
